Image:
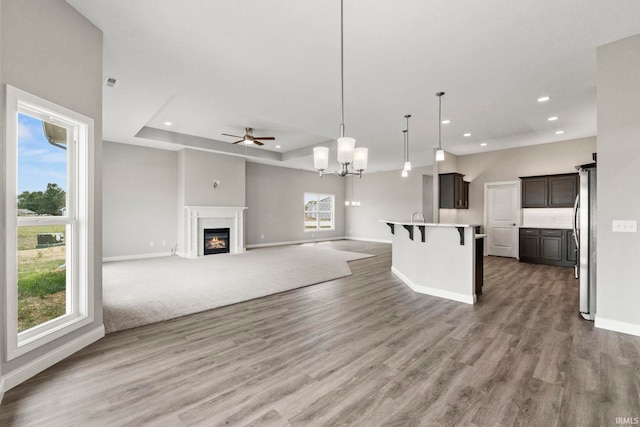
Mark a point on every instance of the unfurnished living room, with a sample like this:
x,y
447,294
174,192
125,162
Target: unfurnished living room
x,y
337,212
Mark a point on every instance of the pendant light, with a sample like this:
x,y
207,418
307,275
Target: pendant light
x,y
407,162
440,152
348,154
405,172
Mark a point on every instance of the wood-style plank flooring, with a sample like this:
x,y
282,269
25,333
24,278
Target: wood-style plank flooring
x,y
362,350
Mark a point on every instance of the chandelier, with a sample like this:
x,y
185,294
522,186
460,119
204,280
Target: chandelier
x,y
352,160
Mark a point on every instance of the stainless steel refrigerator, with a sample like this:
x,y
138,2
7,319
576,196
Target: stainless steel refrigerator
x,y
584,231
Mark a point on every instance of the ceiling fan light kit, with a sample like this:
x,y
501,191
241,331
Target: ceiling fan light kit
x,y
249,139
348,154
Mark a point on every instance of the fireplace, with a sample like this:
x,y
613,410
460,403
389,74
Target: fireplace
x,y
216,241
196,219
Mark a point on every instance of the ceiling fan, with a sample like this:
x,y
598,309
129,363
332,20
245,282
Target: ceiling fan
x,y
248,138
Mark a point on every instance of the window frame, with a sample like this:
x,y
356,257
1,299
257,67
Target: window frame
x,y
318,197
79,297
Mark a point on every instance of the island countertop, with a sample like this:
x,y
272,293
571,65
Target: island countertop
x,y
428,224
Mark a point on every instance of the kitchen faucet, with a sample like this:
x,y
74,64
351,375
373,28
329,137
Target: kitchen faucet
x,y
418,213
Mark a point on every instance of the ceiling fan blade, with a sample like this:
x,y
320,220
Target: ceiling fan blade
x,y
237,141
266,138
257,142
235,136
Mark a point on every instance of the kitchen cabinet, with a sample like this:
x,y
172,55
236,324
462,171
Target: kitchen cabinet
x,y
454,191
549,191
571,247
551,245
547,246
529,243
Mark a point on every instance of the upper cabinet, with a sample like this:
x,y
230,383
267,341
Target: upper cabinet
x,y
454,191
549,191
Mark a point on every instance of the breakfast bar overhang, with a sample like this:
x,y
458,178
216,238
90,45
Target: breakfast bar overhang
x,y
442,260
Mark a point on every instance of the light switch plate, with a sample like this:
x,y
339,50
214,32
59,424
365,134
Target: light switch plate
x,y
620,226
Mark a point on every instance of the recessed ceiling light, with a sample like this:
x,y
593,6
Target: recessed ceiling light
x,y
277,146
484,144
544,98
446,122
168,123
559,132
467,134
553,118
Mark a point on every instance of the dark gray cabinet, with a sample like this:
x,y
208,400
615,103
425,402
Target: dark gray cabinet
x,y
549,191
551,245
534,192
547,246
571,247
529,243
454,191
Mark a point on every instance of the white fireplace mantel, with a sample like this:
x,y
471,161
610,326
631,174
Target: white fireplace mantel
x,y
199,217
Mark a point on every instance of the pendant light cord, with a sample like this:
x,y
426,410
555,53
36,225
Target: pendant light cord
x,y
342,67
404,132
439,95
407,133
440,122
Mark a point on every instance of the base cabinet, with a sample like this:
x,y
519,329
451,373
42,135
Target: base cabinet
x,y
547,246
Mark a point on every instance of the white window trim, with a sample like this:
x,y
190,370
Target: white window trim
x,y
333,214
80,310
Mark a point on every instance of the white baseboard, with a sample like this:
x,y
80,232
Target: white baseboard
x,y
364,239
1,390
467,299
617,326
23,373
139,256
293,242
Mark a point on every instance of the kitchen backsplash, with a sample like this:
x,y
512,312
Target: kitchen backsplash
x,y
547,218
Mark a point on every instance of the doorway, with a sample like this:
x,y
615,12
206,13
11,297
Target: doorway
x,y
502,217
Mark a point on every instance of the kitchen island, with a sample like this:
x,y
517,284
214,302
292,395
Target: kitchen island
x,y
443,260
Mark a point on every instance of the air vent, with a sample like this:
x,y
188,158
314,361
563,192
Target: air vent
x,y
110,82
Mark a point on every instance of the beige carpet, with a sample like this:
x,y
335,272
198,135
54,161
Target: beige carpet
x,y
140,292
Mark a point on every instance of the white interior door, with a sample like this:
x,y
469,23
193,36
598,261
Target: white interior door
x,y
502,214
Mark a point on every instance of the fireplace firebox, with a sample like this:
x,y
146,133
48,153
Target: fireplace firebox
x,y
216,241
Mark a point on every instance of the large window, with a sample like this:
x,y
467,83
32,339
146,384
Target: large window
x,y
319,212
47,221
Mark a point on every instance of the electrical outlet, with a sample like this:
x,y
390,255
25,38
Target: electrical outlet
x,y
164,243
152,244
620,226
262,236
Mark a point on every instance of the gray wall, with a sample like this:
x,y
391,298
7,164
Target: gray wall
x,y
385,195
509,165
196,171
139,200
50,50
618,295
201,168
146,191
382,195
275,198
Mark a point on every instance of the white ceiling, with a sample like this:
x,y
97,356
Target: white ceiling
x,y
218,66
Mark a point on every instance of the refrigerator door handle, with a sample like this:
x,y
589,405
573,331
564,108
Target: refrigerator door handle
x,y
575,221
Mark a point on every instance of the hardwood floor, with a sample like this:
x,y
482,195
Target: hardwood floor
x,y
362,350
